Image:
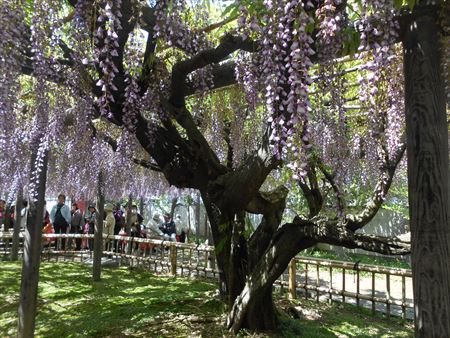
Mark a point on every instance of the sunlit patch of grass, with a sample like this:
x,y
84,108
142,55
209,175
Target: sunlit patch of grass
x,y
71,305
344,320
135,303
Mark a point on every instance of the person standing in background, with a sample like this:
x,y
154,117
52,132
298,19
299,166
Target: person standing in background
x,y
108,224
60,217
76,225
3,212
168,227
24,213
91,219
181,229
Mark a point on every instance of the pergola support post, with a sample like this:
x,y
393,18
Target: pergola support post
x,y
428,172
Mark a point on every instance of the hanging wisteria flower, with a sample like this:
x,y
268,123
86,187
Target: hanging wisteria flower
x,y
106,43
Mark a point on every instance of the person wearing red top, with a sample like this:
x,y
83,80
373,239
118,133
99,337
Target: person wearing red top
x,y
5,216
2,211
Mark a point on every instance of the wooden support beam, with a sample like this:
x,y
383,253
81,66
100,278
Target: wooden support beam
x,y
292,279
98,237
428,173
17,221
173,259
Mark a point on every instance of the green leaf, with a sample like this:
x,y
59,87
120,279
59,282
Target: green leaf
x,y
221,245
398,4
230,9
356,39
411,4
234,12
310,27
224,226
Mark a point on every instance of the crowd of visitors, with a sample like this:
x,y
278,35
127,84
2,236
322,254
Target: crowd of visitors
x,y
63,219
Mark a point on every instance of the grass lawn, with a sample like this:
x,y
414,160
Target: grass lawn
x,y
135,303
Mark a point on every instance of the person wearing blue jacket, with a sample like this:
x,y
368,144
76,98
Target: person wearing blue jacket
x,y
60,217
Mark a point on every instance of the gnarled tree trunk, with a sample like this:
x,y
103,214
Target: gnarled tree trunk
x,y
238,257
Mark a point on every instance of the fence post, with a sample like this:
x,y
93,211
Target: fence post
x,y
292,279
173,259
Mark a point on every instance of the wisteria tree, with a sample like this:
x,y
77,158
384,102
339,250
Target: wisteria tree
x,y
311,90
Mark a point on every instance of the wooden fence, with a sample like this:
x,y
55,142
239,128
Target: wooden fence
x,y
382,289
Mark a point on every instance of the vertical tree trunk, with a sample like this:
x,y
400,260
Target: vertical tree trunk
x,y
98,239
238,259
128,220
428,184
197,219
17,221
173,206
32,253
261,314
150,209
141,206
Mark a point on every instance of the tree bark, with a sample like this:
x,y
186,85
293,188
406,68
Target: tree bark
x,y
197,219
428,174
237,271
141,206
188,235
129,218
32,253
17,221
98,239
221,247
258,286
261,314
173,206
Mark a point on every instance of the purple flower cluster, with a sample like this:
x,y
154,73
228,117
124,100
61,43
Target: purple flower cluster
x,y
383,103
332,20
11,138
286,62
171,26
106,42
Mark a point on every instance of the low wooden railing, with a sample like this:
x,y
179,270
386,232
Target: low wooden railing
x,y
384,289
320,279
157,255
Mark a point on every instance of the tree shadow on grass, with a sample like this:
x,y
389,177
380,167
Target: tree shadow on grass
x,y
323,320
134,303
71,305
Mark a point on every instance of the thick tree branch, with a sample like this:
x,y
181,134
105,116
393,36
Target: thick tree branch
x,y
292,238
227,139
355,222
147,164
311,192
228,45
199,146
217,25
223,75
337,233
330,178
271,205
148,19
113,144
383,245
234,190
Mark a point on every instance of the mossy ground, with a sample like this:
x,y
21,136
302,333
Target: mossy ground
x,y
135,303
